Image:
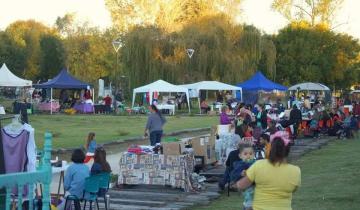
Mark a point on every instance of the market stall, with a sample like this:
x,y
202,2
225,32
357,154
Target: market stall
x,y
65,81
258,83
160,86
173,165
153,169
8,79
210,85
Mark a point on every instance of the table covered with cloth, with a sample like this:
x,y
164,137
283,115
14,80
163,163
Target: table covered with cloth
x,y
84,107
153,169
47,106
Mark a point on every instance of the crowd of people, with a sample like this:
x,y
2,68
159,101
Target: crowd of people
x,y
263,160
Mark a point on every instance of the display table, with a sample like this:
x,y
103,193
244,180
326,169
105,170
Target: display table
x,y
46,106
170,107
84,108
152,169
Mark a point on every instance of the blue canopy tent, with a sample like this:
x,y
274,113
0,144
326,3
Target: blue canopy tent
x,y
63,81
256,83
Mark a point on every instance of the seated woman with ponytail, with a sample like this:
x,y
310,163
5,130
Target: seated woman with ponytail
x,y
274,178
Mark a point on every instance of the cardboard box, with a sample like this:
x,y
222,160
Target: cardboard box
x,y
173,148
204,146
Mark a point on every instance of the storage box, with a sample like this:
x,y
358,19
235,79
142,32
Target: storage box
x,y
173,148
204,146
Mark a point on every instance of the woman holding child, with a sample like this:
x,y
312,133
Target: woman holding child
x,y
274,178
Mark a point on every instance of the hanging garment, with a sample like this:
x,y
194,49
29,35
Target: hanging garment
x,y
31,146
15,156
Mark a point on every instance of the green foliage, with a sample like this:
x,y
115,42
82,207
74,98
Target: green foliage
x,y
223,51
314,54
52,56
313,11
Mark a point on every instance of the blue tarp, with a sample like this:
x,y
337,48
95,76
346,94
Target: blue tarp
x,y
63,81
260,82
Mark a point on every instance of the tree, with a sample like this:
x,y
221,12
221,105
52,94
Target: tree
x,y
223,51
27,35
89,54
169,15
315,54
313,11
11,54
52,56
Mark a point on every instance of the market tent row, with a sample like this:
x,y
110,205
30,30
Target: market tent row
x,y
160,86
258,82
210,85
8,79
63,81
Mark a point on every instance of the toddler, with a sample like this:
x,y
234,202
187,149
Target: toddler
x,y
247,158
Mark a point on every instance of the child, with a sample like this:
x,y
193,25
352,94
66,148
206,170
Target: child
x,y
90,147
74,181
265,144
100,164
247,158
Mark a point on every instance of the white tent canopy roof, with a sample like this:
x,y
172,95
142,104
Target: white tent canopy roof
x,y
309,86
160,86
211,85
8,79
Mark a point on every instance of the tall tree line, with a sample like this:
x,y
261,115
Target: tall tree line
x,y
155,38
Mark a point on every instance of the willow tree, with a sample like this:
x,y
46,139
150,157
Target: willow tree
x,y
223,51
169,15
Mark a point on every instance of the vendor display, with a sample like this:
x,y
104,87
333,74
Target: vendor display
x,y
154,169
48,106
84,107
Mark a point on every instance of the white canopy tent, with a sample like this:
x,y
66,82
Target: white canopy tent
x,y
8,79
160,86
211,85
309,86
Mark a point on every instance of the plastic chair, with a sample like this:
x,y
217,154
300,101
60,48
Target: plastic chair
x,y
104,181
90,191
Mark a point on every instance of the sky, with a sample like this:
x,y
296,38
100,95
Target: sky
x,y
256,12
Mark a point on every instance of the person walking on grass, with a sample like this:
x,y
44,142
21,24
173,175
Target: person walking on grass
x,y
274,178
154,125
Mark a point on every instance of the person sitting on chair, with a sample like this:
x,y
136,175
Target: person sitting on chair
x,y
204,107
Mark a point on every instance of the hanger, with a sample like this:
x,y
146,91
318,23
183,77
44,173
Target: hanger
x,y
15,124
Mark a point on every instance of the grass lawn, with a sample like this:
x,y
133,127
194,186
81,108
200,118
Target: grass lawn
x,y
71,131
330,180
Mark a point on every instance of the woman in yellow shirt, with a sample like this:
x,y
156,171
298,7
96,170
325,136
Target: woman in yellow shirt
x,y
274,178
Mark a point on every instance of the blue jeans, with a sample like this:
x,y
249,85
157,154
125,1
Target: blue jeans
x,y
155,137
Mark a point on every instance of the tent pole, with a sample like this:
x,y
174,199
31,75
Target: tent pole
x,y
199,104
51,98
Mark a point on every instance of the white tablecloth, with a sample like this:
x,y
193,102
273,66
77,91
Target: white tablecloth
x,y
170,107
2,110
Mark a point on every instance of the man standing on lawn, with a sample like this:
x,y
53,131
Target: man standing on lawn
x,y
107,101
